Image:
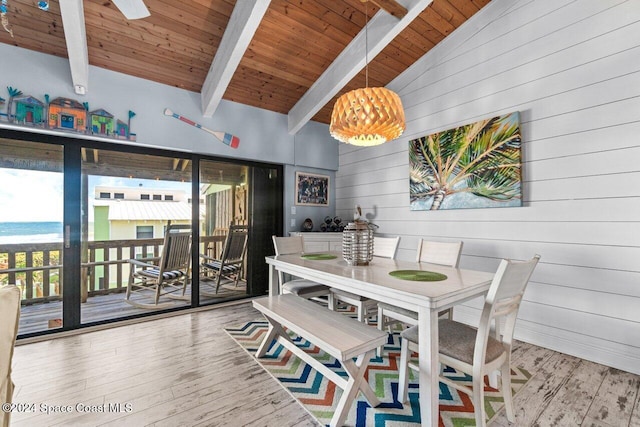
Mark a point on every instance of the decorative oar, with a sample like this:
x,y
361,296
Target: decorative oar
x,y
231,140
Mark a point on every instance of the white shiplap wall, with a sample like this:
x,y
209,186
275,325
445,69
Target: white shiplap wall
x,y
572,68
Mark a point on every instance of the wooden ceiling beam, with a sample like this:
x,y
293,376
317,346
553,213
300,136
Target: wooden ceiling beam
x,y
380,31
243,23
391,6
72,13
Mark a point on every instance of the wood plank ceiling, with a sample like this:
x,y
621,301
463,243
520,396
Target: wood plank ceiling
x,y
293,45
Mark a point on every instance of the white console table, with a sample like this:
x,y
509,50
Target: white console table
x,y
320,241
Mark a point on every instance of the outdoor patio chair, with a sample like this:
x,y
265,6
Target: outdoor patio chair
x,y
164,275
384,247
231,263
301,287
9,319
476,352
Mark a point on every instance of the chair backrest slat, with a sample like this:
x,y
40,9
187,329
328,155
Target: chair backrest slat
x,y
385,247
442,253
235,244
176,251
288,245
513,278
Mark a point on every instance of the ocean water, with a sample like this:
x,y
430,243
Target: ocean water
x,y
30,232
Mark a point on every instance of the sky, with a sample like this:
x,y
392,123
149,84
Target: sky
x,y
29,196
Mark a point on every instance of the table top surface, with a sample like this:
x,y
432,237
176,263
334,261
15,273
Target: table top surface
x,y
374,280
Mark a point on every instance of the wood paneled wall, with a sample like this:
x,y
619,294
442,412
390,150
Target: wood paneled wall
x,y
572,68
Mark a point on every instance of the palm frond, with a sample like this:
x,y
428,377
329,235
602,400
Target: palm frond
x,y
482,158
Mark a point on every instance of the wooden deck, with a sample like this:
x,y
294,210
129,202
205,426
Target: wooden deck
x,y
186,370
36,317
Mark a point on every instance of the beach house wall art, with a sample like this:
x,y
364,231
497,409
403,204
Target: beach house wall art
x,y
30,110
477,165
63,114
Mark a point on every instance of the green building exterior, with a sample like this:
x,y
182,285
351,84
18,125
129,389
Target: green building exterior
x,y
101,231
101,223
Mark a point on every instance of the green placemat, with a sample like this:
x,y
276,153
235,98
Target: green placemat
x,y
418,275
319,256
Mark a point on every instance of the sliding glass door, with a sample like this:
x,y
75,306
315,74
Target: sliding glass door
x,y
224,231
129,202
84,221
31,229
234,198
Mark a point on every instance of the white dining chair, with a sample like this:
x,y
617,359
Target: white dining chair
x,y
9,320
441,253
383,247
476,352
301,287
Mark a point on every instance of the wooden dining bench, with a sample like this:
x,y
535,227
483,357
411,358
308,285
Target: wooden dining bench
x,y
338,335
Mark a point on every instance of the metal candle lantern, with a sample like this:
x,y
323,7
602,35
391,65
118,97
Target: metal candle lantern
x,y
357,243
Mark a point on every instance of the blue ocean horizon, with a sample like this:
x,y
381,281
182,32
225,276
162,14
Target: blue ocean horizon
x,y
30,231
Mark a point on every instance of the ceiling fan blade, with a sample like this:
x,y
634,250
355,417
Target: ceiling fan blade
x,y
132,9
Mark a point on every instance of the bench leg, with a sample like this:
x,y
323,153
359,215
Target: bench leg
x,y
275,330
355,383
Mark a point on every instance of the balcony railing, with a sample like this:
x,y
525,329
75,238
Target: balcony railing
x,y
36,267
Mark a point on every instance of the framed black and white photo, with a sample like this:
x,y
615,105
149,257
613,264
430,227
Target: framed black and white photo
x,y
312,189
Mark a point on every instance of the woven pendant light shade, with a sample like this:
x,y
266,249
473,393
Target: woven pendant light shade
x,y
367,116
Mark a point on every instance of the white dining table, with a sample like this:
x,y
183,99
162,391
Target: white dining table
x,y
373,281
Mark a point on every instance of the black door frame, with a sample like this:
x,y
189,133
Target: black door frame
x,y
72,218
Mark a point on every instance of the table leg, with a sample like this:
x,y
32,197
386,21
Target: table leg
x,y
428,362
274,282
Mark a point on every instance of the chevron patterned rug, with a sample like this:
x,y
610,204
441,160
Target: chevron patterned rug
x,y
320,396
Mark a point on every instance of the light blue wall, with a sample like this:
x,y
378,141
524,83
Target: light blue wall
x,y
315,213
263,134
315,148
310,145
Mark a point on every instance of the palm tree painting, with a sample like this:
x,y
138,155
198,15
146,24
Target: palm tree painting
x,y
472,166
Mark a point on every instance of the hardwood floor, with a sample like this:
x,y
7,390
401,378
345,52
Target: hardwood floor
x,y
185,370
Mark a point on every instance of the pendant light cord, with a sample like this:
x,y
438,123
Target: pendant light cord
x,y
366,44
